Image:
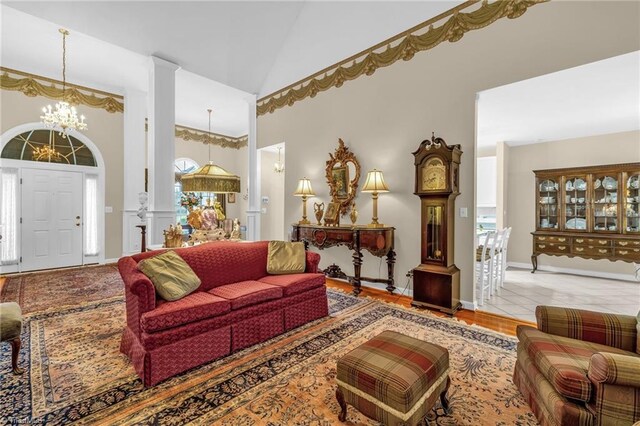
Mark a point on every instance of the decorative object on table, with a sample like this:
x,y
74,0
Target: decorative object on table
x,y
592,219
173,236
375,184
10,331
318,208
436,281
235,233
332,215
231,198
210,178
64,117
278,166
394,379
342,172
143,199
304,190
190,200
353,215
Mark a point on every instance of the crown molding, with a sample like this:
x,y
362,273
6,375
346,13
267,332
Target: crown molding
x,y
36,85
400,47
224,141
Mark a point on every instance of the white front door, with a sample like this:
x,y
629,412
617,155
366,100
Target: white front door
x,y
51,219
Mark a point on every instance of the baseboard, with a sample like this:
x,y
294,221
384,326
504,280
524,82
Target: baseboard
x,y
108,261
581,272
471,306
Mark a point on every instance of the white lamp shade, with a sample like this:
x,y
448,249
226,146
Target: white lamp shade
x,y
375,182
304,188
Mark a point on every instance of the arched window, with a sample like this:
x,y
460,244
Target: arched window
x,y
48,146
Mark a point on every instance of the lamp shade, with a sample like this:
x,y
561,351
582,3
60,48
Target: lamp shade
x,y
210,178
304,188
375,182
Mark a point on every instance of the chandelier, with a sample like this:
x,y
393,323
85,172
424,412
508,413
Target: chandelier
x,y
47,153
65,116
278,166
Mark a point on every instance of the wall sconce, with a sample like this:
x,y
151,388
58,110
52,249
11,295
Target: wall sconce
x,y
304,190
375,184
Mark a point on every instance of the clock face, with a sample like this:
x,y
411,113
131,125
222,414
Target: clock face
x,y
434,175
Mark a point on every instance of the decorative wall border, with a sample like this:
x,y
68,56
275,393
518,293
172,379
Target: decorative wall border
x,y
191,134
402,46
35,85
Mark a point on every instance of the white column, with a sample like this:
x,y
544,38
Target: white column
x,y
135,112
161,141
253,210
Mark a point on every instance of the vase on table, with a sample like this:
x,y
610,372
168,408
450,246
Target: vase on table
x,y
319,211
354,214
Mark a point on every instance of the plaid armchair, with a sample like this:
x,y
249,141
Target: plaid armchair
x,y
580,367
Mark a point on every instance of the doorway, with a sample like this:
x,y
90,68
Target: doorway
x,y
51,219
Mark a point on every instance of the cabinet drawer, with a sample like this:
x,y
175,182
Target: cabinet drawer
x,y
600,242
592,251
552,248
551,239
627,243
628,253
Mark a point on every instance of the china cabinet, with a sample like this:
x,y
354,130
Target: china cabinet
x,y
589,212
436,281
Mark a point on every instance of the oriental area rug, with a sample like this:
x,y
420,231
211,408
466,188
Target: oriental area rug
x,y
76,375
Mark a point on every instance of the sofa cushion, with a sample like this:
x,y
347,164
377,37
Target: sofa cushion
x,y
246,293
562,360
172,277
194,307
295,283
285,258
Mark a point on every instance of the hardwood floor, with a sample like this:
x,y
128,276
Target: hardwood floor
x,y
484,319
488,320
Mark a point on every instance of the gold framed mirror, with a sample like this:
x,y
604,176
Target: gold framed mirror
x,y
342,173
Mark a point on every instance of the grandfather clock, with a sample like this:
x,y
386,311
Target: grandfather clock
x,y
436,281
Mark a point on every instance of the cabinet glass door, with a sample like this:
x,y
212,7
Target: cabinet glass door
x,y
575,203
548,204
605,203
632,205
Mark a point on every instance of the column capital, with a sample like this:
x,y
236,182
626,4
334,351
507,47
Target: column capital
x,y
164,63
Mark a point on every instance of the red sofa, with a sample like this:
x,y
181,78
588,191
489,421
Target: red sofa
x,y
237,305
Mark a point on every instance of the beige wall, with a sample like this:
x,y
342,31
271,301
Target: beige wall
x,y
383,117
272,186
105,130
590,151
229,159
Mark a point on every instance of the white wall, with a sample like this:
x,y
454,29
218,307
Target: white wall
x,y
486,184
271,186
383,117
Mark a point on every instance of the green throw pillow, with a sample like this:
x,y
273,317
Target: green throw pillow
x,y
170,275
285,258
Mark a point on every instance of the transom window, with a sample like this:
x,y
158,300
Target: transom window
x,y
69,150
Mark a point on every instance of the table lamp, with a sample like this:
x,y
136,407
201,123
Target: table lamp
x,y
375,184
304,190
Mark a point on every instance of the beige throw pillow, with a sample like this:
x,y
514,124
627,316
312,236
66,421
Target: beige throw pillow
x,y
285,258
170,275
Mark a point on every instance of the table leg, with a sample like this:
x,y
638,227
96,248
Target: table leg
x,y
357,266
534,262
391,260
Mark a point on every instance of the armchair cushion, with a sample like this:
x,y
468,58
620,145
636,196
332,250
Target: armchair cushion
x,y
172,277
247,293
285,258
617,331
615,369
563,361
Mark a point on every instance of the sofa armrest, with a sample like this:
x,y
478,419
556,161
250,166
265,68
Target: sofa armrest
x,y
615,369
140,294
618,331
311,262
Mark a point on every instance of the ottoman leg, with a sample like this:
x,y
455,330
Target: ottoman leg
x,y
343,405
443,398
15,351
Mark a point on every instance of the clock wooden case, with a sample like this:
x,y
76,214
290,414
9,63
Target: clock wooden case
x,y
436,281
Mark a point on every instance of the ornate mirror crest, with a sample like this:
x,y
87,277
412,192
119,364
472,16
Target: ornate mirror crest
x,y
343,174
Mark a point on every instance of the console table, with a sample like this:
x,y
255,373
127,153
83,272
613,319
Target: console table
x,y
377,241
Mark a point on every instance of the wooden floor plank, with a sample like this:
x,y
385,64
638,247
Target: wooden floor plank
x,y
488,320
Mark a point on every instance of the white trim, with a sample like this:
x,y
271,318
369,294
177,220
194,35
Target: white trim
x,y
471,306
99,170
110,261
581,272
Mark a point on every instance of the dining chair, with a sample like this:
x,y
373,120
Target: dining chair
x,y
484,266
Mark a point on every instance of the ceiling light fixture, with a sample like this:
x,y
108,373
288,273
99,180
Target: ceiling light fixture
x,y
210,178
65,116
278,166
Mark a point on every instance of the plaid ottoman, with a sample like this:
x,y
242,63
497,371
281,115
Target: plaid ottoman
x,y
394,379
